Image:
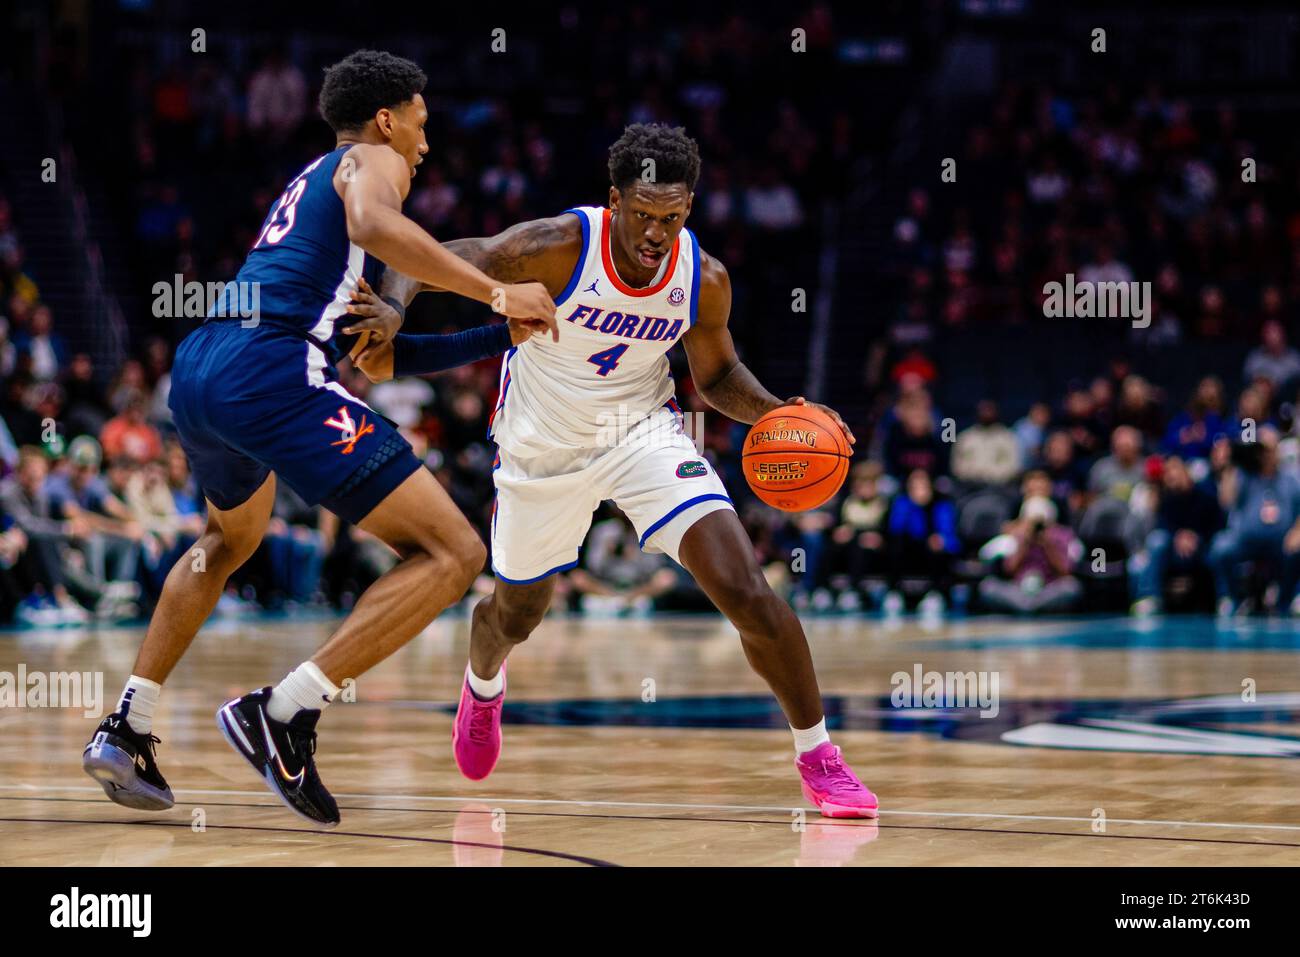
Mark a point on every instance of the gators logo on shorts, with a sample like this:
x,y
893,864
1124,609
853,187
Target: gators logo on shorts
x,y
692,469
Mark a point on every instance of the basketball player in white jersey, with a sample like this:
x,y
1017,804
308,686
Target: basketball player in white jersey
x,y
592,416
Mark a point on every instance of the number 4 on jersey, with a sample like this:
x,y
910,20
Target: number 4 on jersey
x,y
607,361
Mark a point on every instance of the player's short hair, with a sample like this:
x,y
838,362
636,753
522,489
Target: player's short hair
x,y
365,82
676,156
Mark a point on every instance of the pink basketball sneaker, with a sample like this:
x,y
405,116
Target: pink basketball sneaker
x,y
831,785
476,733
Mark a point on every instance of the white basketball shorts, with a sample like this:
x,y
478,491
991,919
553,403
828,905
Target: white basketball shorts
x,y
544,503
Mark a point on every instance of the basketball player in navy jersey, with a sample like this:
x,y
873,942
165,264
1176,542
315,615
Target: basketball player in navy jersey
x,y
256,402
592,416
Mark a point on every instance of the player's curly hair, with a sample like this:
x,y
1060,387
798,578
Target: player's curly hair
x,y
676,156
361,84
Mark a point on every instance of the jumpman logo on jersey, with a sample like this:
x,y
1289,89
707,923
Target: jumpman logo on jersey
x,y
592,287
351,432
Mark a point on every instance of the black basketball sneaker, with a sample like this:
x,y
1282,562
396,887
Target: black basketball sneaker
x,y
122,761
281,753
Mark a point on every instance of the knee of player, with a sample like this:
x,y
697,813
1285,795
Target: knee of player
x,y
744,596
473,554
213,552
460,561
516,623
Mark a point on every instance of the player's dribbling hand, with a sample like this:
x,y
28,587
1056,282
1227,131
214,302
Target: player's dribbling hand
x,y
530,302
835,416
376,361
377,319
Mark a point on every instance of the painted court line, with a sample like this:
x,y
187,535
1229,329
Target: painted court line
x,y
783,809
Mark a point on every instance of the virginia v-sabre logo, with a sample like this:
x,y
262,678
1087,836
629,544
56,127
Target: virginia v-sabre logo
x,y
77,910
1098,300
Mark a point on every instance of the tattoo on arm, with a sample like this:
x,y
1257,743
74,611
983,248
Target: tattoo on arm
x,y
509,256
740,396
470,250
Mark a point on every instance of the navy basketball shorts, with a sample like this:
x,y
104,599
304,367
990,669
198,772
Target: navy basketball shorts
x,y
252,400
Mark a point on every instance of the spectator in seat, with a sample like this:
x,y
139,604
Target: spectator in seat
x,y
1086,424
8,353
1118,474
922,536
169,532
1038,556
1067,473
1032,430
13,585
1272,359
857,544
112,550
24,424
1036,483
913,442
277,97
1263,505
129,434
986,453
41,345
617,575
1187,517
1139,405
87,409
24,499
1192,433
297,547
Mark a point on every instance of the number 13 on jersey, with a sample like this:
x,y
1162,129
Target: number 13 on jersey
x,y
607,360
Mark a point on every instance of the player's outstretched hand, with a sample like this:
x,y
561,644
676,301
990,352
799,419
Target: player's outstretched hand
x,y
528,301
835,416
377,319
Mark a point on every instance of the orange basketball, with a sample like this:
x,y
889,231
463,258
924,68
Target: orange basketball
x,y
795,458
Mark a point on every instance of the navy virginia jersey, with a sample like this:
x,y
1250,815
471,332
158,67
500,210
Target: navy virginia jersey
x,y
303,262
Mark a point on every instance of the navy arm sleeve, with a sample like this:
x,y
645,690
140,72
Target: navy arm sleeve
x,y
419,355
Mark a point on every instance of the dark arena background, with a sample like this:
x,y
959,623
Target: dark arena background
x,y
1043,259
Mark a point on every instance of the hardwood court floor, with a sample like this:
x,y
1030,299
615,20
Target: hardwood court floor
x,y
1096,717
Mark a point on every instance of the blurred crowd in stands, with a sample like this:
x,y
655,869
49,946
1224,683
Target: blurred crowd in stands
x,y
1128,184
1110,493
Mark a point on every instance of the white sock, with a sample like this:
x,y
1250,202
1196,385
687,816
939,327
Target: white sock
x,y
137,703
486,688
805,741
304,689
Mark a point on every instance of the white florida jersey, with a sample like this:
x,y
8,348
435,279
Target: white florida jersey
x,y
610,369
